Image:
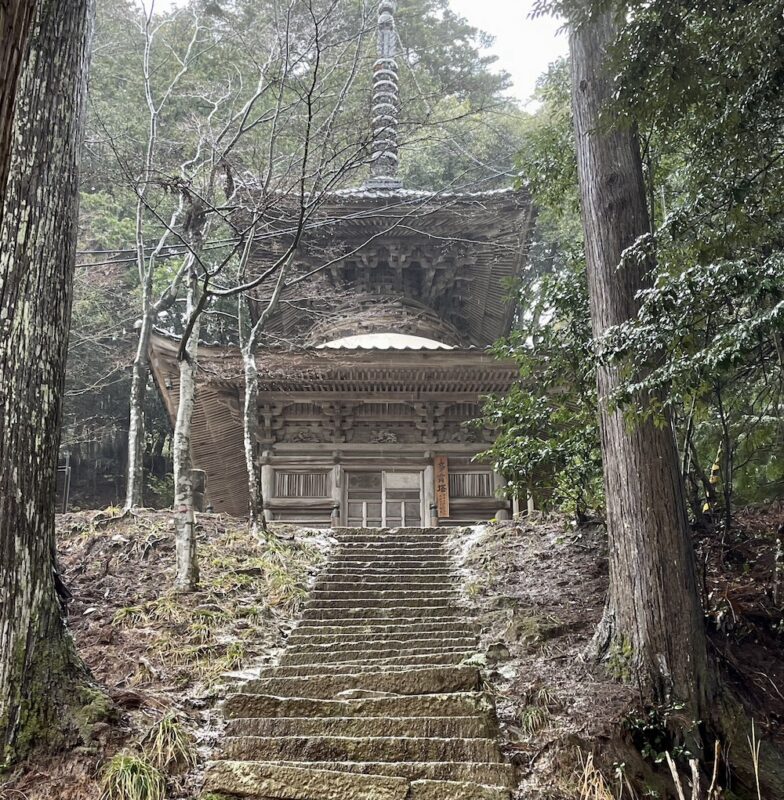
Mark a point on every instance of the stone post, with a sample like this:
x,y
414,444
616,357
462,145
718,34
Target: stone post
x,y
499,485
429,496
199,483
267,488
337,494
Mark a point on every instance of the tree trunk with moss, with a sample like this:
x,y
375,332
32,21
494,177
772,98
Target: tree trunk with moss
x,y
15,19
45,694
653,625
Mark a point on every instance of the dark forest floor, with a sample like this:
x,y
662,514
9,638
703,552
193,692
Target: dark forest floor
x,y
538,588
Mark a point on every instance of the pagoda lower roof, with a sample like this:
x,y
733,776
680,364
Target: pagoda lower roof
x,y
389,373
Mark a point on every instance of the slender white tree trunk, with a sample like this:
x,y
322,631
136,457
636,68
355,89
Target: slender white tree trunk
x,y
140,375
250,430
187,578
250,416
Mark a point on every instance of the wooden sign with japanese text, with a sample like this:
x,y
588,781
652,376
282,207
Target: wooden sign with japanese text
x,y
441,465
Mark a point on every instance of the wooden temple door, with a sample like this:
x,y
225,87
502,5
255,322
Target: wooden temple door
x,y
384,499
402,499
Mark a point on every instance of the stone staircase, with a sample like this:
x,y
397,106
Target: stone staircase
x,y
371,699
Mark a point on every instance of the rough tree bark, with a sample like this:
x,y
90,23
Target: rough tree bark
x,y
15,19
187,577
45,695
653,622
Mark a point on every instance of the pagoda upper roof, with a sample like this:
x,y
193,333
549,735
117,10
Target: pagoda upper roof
x,y
452,256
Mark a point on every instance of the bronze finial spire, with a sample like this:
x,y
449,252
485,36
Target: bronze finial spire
x,y
386,102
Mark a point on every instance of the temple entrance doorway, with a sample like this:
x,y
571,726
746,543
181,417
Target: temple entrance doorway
x,y
384,499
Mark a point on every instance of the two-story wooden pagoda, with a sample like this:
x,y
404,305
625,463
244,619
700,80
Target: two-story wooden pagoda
x,y
366,421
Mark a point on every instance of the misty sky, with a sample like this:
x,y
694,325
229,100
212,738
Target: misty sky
x,y
524,47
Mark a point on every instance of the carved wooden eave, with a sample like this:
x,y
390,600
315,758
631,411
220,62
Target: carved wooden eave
x,y
453,256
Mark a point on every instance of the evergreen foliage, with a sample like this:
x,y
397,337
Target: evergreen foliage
x,y
702,82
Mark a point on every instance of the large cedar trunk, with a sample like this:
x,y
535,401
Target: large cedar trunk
x,y
15,19
43,684
653,622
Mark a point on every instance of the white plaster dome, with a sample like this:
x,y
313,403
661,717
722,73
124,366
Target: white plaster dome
x,y
385,341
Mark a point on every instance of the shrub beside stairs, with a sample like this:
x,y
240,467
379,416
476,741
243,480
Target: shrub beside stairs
x,y
371,699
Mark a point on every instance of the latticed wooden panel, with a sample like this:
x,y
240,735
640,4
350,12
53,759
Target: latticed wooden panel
x,y
470,484
301,484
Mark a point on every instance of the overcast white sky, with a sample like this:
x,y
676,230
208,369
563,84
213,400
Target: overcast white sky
x,y
524,47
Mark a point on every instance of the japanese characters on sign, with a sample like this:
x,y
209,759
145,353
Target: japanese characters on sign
x,y
441,465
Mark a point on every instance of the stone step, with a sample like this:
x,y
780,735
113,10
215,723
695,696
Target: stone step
x,y
285,782
382,584
407,543
376,562
458,704
431,680
345,575
349,748
474,727
396,542
495,774
375,648
402,626
374,645
369,664
391,554
377,600
390,570
359,615
375,619
343,533
456,790
381,590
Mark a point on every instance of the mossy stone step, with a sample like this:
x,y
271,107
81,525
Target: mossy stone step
x,y
284,782
383,584
456,790
402,626
377,600
459,704
473,727
430,680
409,575
369,663
445,612
374,562
351,748
383,592
495,774
390,554
375,648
